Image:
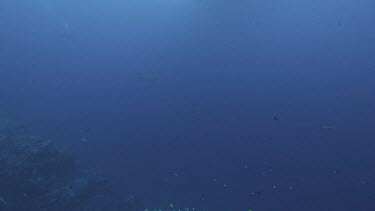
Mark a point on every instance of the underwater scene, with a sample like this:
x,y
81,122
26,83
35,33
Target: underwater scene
x,y
187,105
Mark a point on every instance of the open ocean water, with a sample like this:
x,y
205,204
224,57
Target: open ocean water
x,y
206,105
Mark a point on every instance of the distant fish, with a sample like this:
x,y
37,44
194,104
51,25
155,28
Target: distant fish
x,y
146,77
339,23
66,31
327,127
83,139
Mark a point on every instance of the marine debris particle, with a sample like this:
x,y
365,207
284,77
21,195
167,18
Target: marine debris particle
x,y
2,200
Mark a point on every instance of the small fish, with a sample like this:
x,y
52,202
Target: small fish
x,y
275,117
327,127
339,23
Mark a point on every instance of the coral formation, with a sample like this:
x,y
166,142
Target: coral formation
x,y
36,175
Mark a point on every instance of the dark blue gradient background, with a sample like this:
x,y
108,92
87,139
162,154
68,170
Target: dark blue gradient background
x,y
177,99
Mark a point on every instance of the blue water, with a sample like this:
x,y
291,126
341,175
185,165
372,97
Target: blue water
x,y
217,105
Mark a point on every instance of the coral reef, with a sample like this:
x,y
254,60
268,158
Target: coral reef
x,y
36,175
